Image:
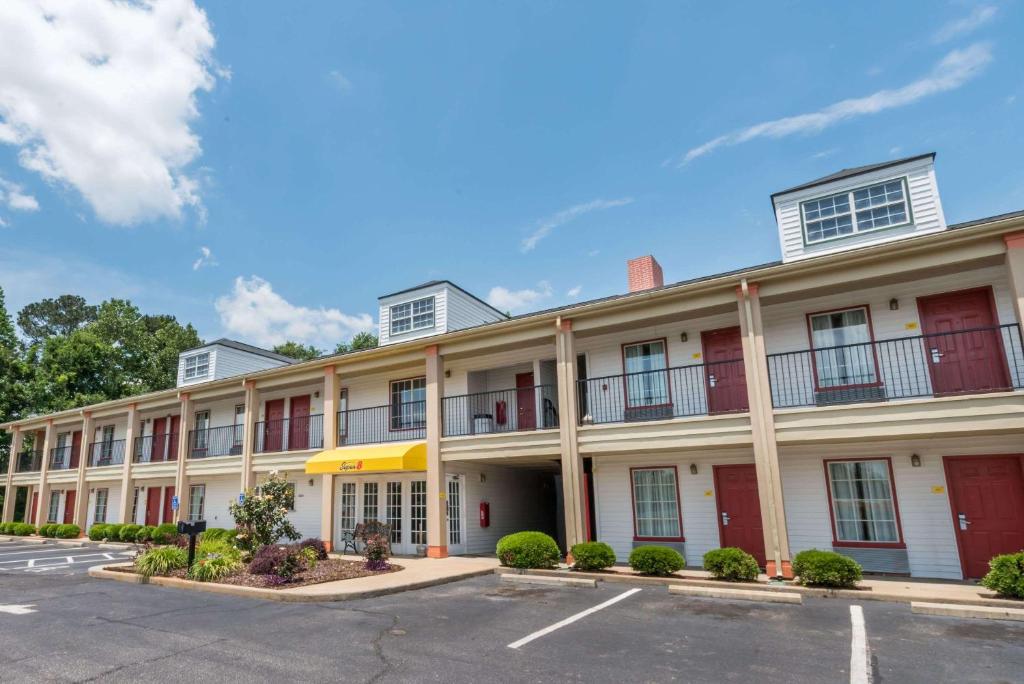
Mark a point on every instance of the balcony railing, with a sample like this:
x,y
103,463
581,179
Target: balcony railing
x,y
156,448
106,453
30,461
60,458
512,410
379,424
289,434
218,441
700,389
973,361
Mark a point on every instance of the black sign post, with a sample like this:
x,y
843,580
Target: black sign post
x,y
193,530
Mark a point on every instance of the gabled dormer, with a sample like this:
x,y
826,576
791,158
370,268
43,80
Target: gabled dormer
x,y
432,308
225,358
861,206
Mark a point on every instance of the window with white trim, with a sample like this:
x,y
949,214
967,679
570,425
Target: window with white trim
x,y
196,502
347,507
53,510
418,512
656,503
645,365
99,514
393,507
370,502
862,210
343,415
843,351
197,366
408,404
862,501
410,316
135,505
239,425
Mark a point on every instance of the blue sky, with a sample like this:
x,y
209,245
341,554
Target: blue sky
x,y
338,151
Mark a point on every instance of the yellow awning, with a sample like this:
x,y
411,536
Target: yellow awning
x,y
379,458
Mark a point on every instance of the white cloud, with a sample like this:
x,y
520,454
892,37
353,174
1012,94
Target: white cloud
x,y
979,16
546,225
954,70
574,292
13,196
253,311
99,96
894,150
340,81
206,258
517,300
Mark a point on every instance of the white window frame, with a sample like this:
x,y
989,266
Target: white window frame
x,y
649,384
407,415
197,366
135,504
853,210
53,509
99,514
418,314
347,507
864,502
239,434
666,506
835,363
418,512
193,514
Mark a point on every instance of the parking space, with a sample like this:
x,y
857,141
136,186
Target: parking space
x,y
462,632
53,558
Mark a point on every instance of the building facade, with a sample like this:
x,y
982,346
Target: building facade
x,y
863,394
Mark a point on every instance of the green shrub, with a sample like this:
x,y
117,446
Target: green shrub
x,y
216,547
114,531
731,564
218,533
528,550
144,534
127,532
68,531
1006,576
592,556
6,528
161,561
98,532
213,568
826,569
23,529
656,560
164,534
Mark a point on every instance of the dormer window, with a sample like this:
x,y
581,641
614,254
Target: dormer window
x,y
197,366
414,315
861,210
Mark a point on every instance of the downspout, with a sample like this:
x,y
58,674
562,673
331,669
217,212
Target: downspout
x,y
749,314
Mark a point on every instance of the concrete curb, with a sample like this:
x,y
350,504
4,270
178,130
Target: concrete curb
x,y
72,543
962,611
296,595
737,594
550,581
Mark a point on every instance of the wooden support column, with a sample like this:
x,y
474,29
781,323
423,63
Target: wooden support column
x,y
44,487
8,512
437,490
1015,268
82,495
331,397
126,472
762,425
252,412
572,464
186,425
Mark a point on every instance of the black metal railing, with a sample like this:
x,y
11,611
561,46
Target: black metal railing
x,y
106,453
700,389
156,448
972,361
289,434
379,424
60,458
30,461
511,410
217,441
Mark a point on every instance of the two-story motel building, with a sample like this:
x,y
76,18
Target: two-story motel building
x,y
864,393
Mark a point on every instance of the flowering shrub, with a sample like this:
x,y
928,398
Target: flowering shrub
x,y
376,552
262,519
280,561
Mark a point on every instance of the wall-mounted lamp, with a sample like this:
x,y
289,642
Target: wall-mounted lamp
x,y
310,482
894,304
316,394
683,337
915,460
483,478
448,373
693,468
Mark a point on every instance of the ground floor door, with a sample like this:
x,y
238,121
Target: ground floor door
x,y
456,508
526,402
69,507
739,509
32,510
987,498
399,500
168,511
153,506
725,376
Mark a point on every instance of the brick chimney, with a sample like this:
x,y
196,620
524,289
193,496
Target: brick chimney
x,y
644,274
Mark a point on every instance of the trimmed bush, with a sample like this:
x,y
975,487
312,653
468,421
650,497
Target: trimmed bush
x,y
5,528
826,569
164,534
1006,576
528,550
731,564
127,532
317,545
659,561
68,531
44,529
114,531
144,534
23,529
161,561
98,532
592,556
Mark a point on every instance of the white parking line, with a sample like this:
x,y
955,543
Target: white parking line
x,y
4,553
859,672
572,618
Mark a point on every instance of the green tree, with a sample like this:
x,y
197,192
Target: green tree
x,y
296,350
50,317
363,340
15,375
262,516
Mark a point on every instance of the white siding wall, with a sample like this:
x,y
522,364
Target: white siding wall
x,y
113,503
453,310
306,516
519,499
225,362
221,491
466,312
924,199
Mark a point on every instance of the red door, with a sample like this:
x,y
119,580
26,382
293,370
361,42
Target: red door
x,y
168,512
273,426
961,362
158,445
153,506
739,509
69,507
725,377
32,511
76,448
173,435
987,496
526,402
298,423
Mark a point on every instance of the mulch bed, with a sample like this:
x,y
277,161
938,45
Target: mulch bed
x,y
329,570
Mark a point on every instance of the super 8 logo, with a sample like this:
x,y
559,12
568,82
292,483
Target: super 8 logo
x,y
350,465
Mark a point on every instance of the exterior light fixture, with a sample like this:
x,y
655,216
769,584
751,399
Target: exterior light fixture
x,y
310,482
693,468
915,460
683,337
448,373
894,304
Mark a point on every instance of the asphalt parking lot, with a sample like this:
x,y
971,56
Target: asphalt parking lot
x,y
70,627
55,559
